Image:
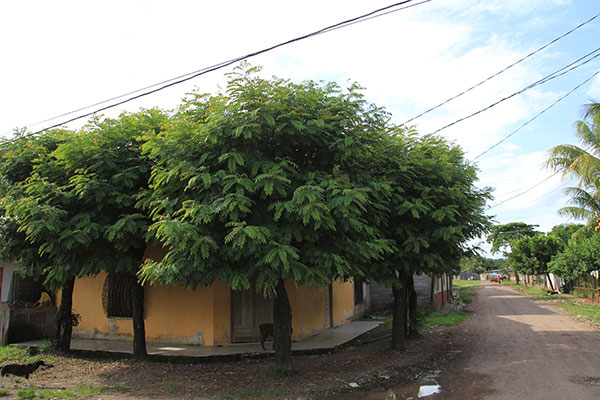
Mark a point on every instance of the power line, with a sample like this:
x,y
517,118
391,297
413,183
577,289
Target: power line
x,y
184,78
524,192
556,74
535,200
501,71
536,116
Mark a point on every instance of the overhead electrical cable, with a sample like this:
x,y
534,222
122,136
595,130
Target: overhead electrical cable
x,y
501,71
556,74
525,191
535,200
536,116
184,78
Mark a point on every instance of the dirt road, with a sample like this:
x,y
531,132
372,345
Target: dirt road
x,y
515,348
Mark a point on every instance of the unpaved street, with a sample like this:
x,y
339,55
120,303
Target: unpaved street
x,y
515,348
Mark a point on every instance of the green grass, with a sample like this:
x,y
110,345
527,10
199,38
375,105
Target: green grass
x,y
4,392
465,284
428,318
18,355
28,393
581,308
251,394
535,291
56,394
170,386
436,318
259,394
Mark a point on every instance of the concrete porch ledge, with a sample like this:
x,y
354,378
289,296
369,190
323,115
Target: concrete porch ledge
x,y
320,343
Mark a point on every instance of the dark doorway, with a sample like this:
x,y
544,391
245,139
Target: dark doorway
x,y
248,311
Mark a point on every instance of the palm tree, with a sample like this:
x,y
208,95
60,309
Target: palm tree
x,y
582,162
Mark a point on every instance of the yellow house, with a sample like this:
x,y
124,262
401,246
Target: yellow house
x,y
209,316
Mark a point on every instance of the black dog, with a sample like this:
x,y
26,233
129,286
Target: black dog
x,y
22,370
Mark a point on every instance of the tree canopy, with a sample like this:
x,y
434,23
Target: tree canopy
x,y
70,200
267,182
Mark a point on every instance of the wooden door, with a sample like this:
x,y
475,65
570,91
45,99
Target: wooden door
x,y
248,311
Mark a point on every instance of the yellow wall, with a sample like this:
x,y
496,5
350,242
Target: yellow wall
x,y
343,301
173,314
309,309
203,316
222,313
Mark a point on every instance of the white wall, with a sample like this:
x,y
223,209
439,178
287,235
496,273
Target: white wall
x,y
7,275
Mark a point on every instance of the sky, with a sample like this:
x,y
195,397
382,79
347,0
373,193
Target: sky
x,y
62,56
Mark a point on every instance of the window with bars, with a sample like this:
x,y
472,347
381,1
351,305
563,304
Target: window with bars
x,y
117,295
24,290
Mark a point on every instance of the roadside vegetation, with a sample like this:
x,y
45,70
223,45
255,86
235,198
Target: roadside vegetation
x,y
581,307
465,289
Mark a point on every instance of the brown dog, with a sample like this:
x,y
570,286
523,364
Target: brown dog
x,y
266,330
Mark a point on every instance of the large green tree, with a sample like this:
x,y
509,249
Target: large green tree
x,y
431,212
503,236
76,208
578,259
532,255
265,184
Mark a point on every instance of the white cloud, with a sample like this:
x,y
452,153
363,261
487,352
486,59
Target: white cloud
x,y
594,90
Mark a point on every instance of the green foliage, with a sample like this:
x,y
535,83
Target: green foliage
x,y
262,183
4,392
71,206
584,163
478,264
502,236
531,255
578,259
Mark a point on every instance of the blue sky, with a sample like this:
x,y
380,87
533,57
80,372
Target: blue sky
x,y
62,55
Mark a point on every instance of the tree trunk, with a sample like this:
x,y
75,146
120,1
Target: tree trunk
x,y
442,283
516,277
282,329
64,317
432,291
412,306
399,316
551,284
139,330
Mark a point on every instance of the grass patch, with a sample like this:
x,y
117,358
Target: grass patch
x,y
436,318
28,393
466,294
466,289
465,284
534,291
18,355
222,395
259,394
170,386
582,309
56,394
4,392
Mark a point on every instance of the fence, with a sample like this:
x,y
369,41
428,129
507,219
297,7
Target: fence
x,y
588,287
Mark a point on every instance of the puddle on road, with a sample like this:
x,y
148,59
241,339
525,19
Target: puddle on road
x,y
419,391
